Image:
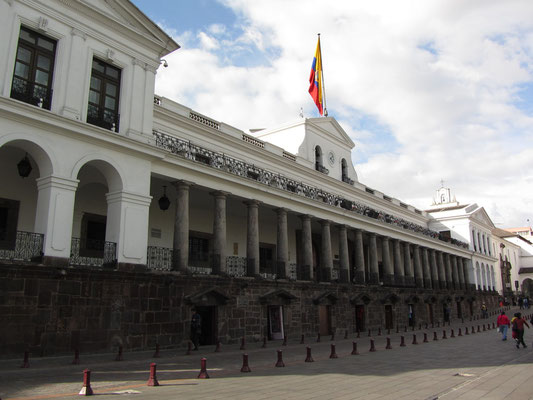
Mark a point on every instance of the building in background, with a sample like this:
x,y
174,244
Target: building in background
x,y
120,210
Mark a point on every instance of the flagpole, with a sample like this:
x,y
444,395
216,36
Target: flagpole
x,y
323,80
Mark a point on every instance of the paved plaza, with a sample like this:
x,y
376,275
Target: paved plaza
x,y
474,366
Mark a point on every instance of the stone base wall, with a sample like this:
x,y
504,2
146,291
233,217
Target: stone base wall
x,y
53,310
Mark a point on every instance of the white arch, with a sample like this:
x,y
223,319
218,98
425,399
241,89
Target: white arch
x,y
107,166
37,148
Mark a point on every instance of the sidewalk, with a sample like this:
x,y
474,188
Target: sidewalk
x,y
474,366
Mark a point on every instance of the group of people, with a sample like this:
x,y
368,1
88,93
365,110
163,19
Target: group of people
x,y
517,323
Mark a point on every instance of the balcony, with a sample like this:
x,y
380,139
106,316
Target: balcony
x,y
27,246
93,253
31,93
103,117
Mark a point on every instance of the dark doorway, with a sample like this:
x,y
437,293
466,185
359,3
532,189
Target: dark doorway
x,y
430,313
324,319
459,310
446,311
359,318
411,314
275,323
389,320
209,324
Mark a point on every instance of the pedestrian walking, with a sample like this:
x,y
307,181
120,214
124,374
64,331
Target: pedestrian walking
x,y
503,324
196,329
518,323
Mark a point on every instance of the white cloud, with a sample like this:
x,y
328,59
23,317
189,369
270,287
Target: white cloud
x,y
439,76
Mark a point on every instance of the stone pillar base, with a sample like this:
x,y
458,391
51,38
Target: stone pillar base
x,y
303,273
373,279
409,281
250,267
359,277
53,261
419,282
344,276
399,280
280,270
427,283
324,275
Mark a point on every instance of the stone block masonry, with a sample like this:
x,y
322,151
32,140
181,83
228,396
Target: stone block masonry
x,y
51,311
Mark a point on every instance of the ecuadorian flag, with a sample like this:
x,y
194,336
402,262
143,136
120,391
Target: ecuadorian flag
x,y
315,79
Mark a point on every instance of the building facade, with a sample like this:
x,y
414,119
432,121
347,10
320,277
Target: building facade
x,y
121,210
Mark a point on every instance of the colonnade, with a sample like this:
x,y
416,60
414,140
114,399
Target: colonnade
x,y
403,264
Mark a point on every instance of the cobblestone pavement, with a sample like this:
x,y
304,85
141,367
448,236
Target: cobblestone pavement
x,y
474,366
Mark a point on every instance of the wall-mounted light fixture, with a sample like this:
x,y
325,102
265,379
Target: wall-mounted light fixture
x,y
24,167
164,62
164,202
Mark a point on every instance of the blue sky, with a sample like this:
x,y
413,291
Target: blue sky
x,y
427,90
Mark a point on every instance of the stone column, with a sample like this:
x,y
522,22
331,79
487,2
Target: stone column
x,y
408,266
388,271
53,217
252,238
419,275
434,269
449,274
455,273
373,279
306,272
282,244
399,274
359,258
466,269
426,269
219,233
441,270
326,258
460,273
344,259
180,254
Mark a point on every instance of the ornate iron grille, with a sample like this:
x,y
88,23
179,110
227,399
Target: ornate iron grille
x,y
101,254
28,246
31,93
159,258
236,266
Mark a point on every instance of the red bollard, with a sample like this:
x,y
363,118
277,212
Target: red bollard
x,y
425,337
189,349
245,366
309,358
76,360
26,361
203,369
333,354
218,349
264,342
302,339
493,326
354,349
86,388
452,334
243,343
473,331
119,356
402,341
466,330
372,347
284,341
318,338
388,346
435,336
414,339
280,363
444,334
156,353
460,333
152,381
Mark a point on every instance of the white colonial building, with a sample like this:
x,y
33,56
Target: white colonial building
x,y
115,193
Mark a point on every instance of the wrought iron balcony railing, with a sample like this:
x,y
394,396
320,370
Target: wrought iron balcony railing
x,y
27,246
31,93
221,161
93,253
103,117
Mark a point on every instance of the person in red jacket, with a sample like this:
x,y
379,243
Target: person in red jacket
x,y
503,324
518,327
